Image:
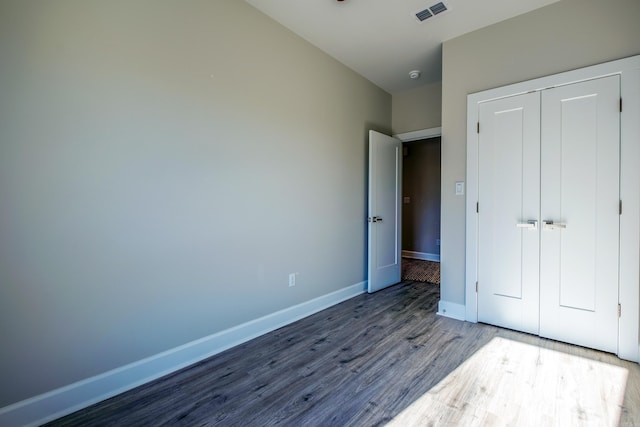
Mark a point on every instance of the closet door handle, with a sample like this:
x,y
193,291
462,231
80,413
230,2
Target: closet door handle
x,y
532,224
550,225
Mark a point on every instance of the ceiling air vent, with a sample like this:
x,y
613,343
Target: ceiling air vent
x,y
424,14
438,8
431,11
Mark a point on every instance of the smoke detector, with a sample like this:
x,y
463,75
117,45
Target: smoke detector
x,y
437,9
414,74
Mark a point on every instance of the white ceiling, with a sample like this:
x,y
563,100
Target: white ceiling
x,y
381,39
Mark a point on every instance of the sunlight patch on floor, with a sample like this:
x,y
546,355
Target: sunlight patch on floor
x,y
511,383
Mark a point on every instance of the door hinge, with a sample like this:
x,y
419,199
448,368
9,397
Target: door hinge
x,y
619,310
478,128
477,207
621,105
476,287
620,208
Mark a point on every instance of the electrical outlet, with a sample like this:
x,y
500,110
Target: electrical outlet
x,y
292,279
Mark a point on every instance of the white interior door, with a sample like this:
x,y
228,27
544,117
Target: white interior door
x,y
385,186
580,195
509,201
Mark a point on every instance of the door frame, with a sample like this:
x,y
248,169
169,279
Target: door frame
x,y
418,135
405,137
629,291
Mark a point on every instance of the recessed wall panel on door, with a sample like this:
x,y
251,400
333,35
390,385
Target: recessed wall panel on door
x,y
580,146
509,196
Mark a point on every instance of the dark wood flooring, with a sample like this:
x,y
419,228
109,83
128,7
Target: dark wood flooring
x,y
359,363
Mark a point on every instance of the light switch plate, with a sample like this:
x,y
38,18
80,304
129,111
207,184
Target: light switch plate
x,y
459,188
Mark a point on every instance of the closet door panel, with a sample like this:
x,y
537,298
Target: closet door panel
x,y
509,192
580,152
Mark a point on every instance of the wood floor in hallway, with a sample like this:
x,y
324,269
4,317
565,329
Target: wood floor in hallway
x,y
385,358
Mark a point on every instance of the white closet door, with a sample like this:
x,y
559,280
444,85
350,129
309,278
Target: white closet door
x,y
509,199
580,195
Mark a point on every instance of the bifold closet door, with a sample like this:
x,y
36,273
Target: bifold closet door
x,y
509,205
580,158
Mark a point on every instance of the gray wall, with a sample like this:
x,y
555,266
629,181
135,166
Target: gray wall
x,y
421,183
163,167
563,36
417,109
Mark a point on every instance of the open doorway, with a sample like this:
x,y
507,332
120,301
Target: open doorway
x,y
421,174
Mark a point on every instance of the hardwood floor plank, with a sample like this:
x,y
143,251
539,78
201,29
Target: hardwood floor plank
x,y
379,359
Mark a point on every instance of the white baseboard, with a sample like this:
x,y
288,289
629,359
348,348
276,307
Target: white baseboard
x,y
421,255
452,310
65,400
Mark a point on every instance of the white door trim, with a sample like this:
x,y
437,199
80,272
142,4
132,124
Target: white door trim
x,y
629,292
417,135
